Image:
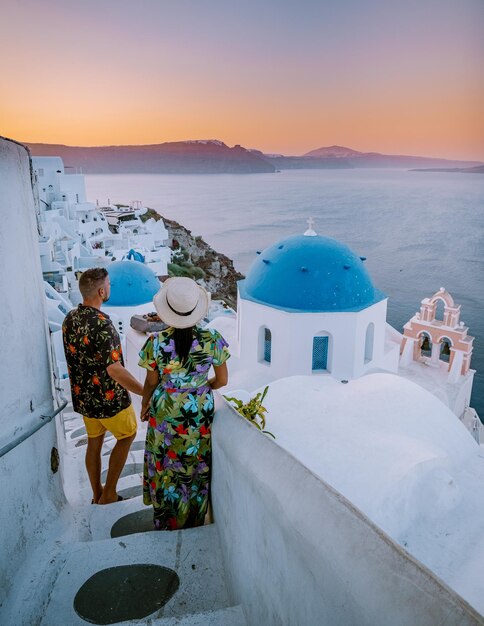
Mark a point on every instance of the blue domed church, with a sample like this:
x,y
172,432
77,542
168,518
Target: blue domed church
x,y
133,285
308,306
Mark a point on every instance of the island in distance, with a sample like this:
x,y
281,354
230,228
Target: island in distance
x,y
479,169
215,157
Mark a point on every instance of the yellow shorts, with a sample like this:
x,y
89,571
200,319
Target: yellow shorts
x,y
121,425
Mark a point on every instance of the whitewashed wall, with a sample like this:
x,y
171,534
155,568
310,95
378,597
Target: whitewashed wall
x,y
74,187
45,168
292,338
29,492
298,553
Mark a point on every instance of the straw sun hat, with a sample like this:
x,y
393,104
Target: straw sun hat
x,y
181,303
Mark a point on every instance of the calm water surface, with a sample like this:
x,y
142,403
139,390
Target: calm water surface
x,y
419,231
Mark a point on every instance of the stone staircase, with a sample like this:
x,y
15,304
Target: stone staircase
x,y
107,538
193,554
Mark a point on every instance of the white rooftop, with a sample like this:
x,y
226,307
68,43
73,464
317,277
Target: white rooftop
x,y
393,449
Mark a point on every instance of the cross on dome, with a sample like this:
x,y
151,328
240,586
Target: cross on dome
x,y
310,231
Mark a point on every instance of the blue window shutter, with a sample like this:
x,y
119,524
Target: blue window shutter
x,y
320,353
267,345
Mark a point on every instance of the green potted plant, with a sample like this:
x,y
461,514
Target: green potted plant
x,y
253,410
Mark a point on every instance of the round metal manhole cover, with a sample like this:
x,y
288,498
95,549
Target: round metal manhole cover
x,y
125,592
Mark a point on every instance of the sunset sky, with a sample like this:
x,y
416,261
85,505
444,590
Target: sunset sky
x,y
401,77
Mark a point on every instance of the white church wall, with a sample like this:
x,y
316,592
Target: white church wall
x,y
250,319
292,337
30,493
462,399
393,344
376,315
297,552
391,358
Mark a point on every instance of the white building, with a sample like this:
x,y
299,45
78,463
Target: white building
x,y
75,233
308,306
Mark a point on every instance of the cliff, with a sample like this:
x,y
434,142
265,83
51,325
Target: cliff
x,y
212,156
193,257
180,157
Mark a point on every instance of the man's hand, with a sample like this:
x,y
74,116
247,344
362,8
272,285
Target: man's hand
x,y
145,413
151,382
121,375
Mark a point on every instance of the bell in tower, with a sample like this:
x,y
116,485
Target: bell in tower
x,y
426,346
445,351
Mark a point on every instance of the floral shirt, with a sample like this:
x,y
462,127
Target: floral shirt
x,y
91,344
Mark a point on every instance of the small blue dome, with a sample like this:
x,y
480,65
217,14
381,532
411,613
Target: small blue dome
x,y
310,274
132,283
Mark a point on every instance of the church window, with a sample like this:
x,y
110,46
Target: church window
x,y
369,340
320,353
267,345
264,345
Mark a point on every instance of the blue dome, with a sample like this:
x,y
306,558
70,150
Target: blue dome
x,y
310,274
132,283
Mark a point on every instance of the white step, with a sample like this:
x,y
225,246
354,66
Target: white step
x,y
194,554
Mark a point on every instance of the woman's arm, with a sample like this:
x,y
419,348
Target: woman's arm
x,y
151,382
221,377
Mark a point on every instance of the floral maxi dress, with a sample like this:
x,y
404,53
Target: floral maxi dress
x,y
178,447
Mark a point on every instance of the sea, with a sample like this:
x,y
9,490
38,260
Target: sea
x,y
418,230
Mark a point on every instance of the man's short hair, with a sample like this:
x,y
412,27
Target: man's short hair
x,y
91,280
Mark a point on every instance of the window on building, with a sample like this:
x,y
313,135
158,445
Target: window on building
x,y
264,345
320,353
369,341
267,345
41,171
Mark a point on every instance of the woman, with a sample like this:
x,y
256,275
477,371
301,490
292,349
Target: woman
x,y
178,405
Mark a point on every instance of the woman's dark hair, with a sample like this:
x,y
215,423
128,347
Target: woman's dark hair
x,y
183,338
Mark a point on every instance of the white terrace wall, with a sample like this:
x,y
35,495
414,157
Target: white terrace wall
x,y
29,491
298,553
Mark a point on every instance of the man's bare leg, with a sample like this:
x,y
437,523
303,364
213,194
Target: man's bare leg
x,y
93,465
118,457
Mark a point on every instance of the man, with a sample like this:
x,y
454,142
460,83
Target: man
x,y
99,382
